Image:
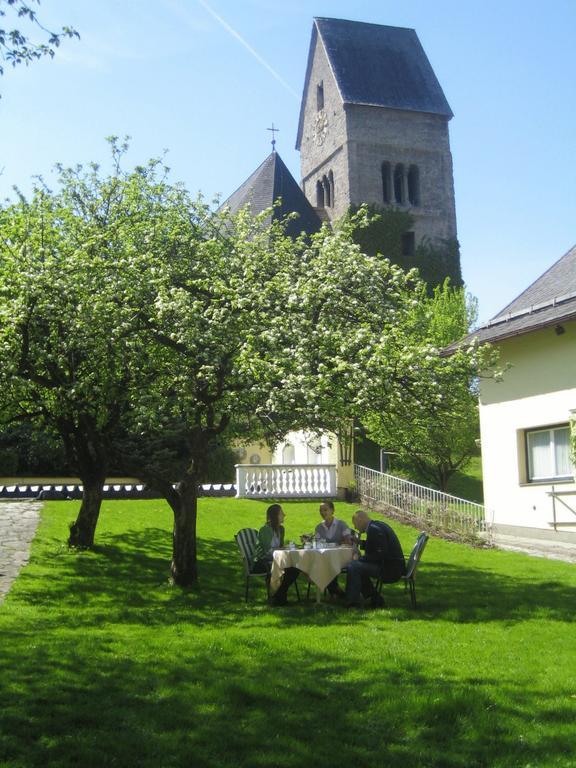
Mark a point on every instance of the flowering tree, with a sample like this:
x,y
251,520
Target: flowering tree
x,y
148,329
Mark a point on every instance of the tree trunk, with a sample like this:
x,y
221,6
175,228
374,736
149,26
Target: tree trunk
x,y
184,505
183,500
82,530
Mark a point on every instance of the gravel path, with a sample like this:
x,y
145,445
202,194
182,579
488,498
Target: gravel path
x,y
550,549
18,523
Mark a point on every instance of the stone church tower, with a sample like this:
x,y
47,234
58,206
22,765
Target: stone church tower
x,y
374,128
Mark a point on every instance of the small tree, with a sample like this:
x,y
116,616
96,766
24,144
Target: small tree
x,y
434,427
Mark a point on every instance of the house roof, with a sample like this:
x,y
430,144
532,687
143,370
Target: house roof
x,y
377,65
550,300
270,182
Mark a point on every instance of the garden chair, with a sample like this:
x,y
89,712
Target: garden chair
x,y
411,568
246,541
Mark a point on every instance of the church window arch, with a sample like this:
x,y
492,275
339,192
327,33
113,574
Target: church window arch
x,y
319,194
386,182
327,196
399,184
331,185
320,96
414,185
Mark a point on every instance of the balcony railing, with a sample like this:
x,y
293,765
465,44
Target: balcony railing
x,y
285,481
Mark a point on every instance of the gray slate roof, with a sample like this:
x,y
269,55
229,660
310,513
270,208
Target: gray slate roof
x,y
377,65
550,300
272,181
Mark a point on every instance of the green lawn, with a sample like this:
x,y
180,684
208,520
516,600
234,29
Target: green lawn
x,y
103,663
468,484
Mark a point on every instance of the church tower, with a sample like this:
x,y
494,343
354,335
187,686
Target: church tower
x,y
374,128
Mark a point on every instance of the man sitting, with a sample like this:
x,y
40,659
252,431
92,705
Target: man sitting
x,y
333,531
383,558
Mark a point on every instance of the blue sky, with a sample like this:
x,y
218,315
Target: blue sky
x,y
205,78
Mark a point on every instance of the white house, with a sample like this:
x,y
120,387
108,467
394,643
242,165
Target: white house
x,y
525,419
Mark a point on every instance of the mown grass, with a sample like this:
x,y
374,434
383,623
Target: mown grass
x,y
468,484
103,663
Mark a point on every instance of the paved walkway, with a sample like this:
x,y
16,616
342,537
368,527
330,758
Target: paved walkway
x,y
18,523
553,550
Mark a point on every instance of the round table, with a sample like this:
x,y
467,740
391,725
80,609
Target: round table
x,y
320,565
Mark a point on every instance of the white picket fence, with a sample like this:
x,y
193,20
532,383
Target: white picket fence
x,y
420,505
281,481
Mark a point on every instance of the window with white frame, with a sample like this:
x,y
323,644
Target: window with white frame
x,y
549,454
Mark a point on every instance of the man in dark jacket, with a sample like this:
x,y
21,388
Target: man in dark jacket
x,y
383,557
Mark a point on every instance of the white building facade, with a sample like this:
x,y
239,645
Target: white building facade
x,y
525,419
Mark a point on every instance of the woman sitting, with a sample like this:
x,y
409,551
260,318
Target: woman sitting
x,y
271,537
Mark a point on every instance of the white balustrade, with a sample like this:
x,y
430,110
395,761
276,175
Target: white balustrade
x,y
285,481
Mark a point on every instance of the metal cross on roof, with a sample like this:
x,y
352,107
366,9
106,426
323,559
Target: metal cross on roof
x,y
274,131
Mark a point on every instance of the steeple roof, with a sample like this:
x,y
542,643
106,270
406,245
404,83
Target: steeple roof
x,y
377,65
272,181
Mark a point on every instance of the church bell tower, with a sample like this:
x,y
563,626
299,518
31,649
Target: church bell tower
x,y
373,127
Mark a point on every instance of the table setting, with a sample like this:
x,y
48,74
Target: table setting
x,y
320,560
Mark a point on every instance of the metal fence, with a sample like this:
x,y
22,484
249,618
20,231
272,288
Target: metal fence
x,y
426,507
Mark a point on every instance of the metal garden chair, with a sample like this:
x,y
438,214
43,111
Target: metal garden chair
x,y
409,578
246,541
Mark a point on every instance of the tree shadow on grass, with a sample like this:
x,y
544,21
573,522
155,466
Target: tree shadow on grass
x,y
98,704
126,578
468,595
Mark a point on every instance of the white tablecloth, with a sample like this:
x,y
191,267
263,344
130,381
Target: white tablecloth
x,y
321,565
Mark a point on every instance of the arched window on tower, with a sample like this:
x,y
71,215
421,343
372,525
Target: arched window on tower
x,y
319,195
331,184
399,184
327,197
320,96
386,182
414,185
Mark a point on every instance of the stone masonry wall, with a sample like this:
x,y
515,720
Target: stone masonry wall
x,y
321,154
376,135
